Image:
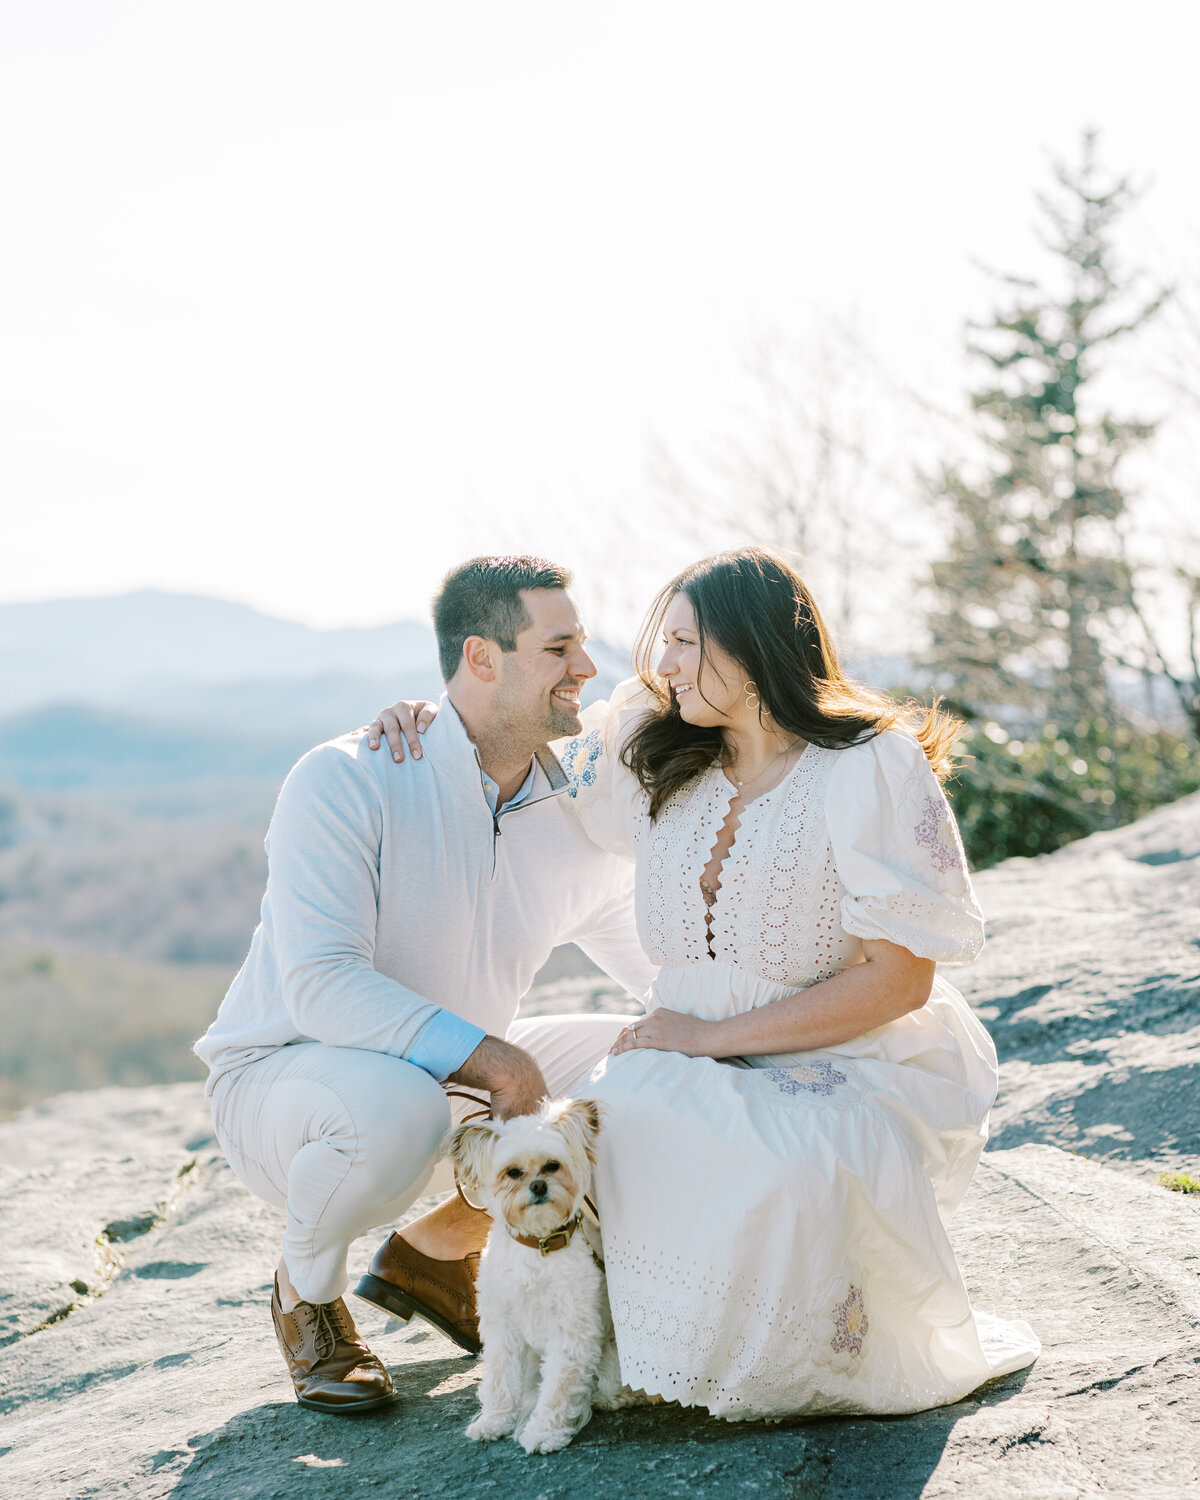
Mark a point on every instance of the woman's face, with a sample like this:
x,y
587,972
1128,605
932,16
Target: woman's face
x,y
709,691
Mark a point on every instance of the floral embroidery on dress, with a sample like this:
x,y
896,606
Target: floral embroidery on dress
x,y
935,832
842,1331
851,1324
806,1078
579,757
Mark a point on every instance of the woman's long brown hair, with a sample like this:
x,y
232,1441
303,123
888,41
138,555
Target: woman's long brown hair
x,y
755,607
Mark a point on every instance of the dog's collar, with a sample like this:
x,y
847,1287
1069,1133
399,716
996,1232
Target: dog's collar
x,y
559,1239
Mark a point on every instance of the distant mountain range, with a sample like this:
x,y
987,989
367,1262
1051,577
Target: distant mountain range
x,y
69,748
154,691
153,652
136,693
157,690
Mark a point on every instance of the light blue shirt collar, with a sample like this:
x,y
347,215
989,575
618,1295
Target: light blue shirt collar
x,y
491,791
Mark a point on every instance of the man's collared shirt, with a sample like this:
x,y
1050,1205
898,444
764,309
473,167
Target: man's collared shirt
x,y
491,791
398,920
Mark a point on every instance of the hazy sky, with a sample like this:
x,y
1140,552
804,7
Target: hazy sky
x,y
303,303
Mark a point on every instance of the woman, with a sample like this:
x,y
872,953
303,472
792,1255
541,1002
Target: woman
x,y
792,1124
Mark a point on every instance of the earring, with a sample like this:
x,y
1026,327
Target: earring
x,y
751,692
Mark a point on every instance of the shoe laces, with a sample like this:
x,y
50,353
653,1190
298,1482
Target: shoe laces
x,y
328,1327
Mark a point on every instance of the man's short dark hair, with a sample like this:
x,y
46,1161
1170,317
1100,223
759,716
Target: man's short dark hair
x,y
483,597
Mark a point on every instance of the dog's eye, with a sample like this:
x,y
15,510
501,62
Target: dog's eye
x,y
550,1166
514,1173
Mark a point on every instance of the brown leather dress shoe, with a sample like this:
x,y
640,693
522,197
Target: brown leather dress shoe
x,y
403,1281
331,1368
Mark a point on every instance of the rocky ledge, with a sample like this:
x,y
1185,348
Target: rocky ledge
x,y
137,1356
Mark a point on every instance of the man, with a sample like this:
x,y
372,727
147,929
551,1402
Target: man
x,y
408,908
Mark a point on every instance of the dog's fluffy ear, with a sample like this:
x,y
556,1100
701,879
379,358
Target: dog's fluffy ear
x,y
579,1119
470,1149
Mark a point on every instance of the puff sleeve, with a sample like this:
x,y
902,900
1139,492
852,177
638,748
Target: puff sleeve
x,y
898,852
605,794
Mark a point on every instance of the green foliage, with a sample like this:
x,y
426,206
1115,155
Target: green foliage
x,y
1179,1182
1032,795
1035,594
1035,588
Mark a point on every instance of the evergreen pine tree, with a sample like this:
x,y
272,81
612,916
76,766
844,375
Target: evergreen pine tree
x,y
1034,592
1034,579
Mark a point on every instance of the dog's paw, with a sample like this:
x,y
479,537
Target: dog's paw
x,y
536,1437
615,1400
623,1396
487,1429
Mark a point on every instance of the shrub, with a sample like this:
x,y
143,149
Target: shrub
x,y
1032,794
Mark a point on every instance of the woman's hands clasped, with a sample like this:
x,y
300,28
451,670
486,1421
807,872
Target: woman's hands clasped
x,y
403,721
666,1031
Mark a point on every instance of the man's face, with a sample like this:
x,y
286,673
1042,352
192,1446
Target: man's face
x,y
537,685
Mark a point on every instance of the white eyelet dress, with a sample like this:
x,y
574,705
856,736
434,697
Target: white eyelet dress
x,y
774,1227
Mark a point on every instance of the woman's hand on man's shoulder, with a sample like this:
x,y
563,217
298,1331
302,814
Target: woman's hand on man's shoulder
x,y
403,722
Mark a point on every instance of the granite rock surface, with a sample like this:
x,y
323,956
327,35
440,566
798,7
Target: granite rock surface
x,y
137,1356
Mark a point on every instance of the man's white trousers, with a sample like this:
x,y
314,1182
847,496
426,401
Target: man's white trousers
x,y
344,1140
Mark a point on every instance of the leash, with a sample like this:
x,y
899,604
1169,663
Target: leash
x,y
485,1113
471,1099
480,1114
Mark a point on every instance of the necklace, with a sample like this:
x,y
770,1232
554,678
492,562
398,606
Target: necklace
x,y
740,781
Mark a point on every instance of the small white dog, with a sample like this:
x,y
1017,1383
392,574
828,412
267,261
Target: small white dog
x,y
543,1303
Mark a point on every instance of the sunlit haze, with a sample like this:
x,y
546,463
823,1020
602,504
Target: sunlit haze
x,y
304,303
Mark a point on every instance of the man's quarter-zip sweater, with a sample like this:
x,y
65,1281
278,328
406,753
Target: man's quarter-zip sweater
x,y
402,916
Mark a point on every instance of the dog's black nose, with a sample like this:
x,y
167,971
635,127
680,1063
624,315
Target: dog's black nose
x,y
538,1188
